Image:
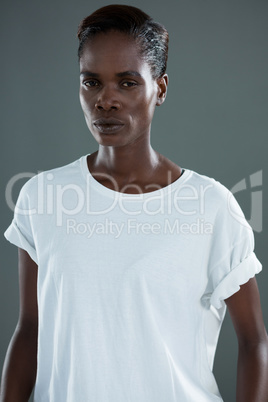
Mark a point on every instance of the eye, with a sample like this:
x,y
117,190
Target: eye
x,y
128,84
90,83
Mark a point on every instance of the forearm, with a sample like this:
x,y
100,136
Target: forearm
x,y
252,373
19,371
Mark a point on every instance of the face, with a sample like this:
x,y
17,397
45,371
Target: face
x,y
117,92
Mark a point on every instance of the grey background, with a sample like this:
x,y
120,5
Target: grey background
x,y
214,120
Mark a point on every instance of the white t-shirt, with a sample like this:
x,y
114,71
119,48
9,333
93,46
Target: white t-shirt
x,y
130,286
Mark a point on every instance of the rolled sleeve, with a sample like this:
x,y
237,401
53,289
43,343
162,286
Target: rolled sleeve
x,y
20,232
15,236
231,283
232,260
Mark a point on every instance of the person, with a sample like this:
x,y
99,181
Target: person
x,y
127,261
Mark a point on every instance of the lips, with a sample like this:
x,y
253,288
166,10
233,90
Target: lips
x,y
108,125
110,120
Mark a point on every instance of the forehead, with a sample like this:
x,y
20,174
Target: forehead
x,y
114,51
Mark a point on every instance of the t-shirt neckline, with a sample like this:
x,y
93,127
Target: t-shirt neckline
x,y
140,196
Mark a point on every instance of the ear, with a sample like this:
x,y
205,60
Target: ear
x,y
162,84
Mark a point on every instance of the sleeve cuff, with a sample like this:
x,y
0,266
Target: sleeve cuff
x,y
238,276
15,236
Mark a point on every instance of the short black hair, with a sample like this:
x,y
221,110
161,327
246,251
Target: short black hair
x,y
152,37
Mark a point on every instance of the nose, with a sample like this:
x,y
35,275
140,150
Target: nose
x,y
107,100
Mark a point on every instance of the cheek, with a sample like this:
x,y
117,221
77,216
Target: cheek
x,y
151,98
146,100
84,100
147,106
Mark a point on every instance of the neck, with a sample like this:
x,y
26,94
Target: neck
x,y
131,163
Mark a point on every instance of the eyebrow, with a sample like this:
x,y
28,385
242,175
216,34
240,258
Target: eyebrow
x,y
123,74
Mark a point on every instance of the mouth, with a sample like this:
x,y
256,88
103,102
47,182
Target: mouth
x,y
108,126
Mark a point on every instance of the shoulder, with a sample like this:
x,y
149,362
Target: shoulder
x,y
198,181
209,187
41,183
218,201
229,217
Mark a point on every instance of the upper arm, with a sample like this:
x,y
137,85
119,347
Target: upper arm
x,y
28,271
245,310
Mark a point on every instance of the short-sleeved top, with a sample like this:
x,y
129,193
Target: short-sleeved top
x,y
131,287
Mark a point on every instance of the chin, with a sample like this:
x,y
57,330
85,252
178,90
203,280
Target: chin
x,y
107,140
